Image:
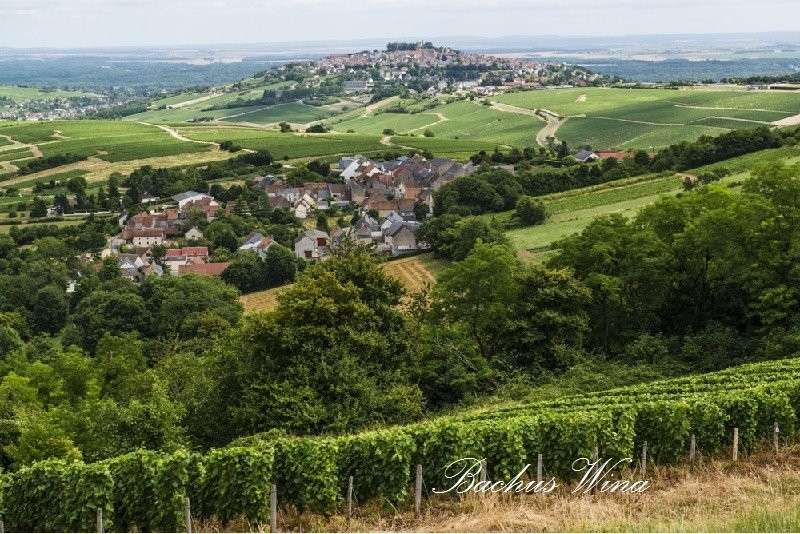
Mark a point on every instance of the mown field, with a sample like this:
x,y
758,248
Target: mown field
x,y
653,118
415,273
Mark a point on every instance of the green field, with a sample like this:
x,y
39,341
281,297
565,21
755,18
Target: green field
x,y
108,140
31,93
653,118
289,145
189,110
571,211
457,121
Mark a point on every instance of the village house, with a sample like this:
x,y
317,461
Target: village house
x,y
189,196
311,244
257,243
143,237
400,238
175,258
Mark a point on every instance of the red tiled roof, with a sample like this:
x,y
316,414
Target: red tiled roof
x,y
194,251
205,269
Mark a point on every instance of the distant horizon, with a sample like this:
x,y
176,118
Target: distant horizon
x,y
74,24
436,40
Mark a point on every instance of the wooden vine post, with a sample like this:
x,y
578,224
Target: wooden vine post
x,y
644,460
273,508
692,451
187,514
775,434
735,444
484,469
100,520
539,469
349,497
418,492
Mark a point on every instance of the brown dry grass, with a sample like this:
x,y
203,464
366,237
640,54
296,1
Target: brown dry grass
x,y
414,273
761,493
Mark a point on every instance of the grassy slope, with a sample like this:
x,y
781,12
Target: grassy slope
x,y
571,211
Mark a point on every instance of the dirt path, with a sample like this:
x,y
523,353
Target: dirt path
x,y
440,119
554,122
37,152
195,101
688,106
370,109
179,136
386,140
788,121
100,170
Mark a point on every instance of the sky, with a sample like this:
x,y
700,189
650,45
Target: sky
x,y
103,23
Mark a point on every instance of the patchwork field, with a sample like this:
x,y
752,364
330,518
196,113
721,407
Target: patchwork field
x,y
108,140
653,118
465,120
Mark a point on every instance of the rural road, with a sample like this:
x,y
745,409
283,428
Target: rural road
x,y
552,120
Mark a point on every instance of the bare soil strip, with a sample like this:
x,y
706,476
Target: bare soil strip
x,y
788,121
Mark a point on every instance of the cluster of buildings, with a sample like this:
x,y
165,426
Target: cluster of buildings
x,y
47,109
389,196
133,247
427,64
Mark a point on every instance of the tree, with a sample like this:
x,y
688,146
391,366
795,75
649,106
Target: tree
x,y
530,211
474,294
221,234
245,272
317,128
280,266
39,208
322,223
9,341
171,300
330,357
284,127
114,312
548,319
50,309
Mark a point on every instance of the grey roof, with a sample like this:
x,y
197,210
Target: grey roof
x,y
313,234
253,238
184,196
584,155
395,227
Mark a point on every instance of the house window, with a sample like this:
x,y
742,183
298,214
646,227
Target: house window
x,y
321,241
308,253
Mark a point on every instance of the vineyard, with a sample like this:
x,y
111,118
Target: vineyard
x,y
148,489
